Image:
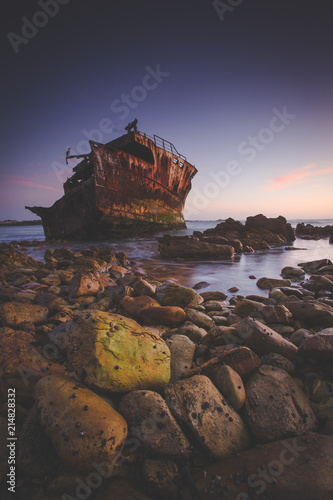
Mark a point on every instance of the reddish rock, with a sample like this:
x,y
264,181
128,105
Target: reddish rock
x,y
84,285
22,365
151,312
319,346
312,313
14,313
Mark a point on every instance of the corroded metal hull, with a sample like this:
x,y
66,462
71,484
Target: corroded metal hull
x,y
133,185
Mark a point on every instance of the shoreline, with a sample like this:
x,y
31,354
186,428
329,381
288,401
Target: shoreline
x,y
219,353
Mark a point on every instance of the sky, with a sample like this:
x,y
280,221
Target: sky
x,y
242,88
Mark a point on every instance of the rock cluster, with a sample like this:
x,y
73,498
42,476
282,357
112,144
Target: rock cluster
x,y
310,232
227,238
130,388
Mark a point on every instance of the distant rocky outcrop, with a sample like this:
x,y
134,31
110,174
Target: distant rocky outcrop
x,y
229,237
310,232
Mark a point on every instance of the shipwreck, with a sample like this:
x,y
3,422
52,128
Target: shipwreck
x,y
132,185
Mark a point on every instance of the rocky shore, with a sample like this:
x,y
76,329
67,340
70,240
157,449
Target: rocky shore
x,y
227,238
129,388
310,232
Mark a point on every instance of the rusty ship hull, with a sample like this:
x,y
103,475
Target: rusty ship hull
x,y
133,185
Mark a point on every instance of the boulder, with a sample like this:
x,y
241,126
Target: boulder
x,y
189,247
231,385
112,353
84,285
319,346
263,339
290,469
213,296
202,409
22,365
84,429
299,335
276,407
149,419
200,319
312,312
192,331
171,294
317,283
314,265
274,359
182,351
269,283
294,273
151,312
274,314
14,313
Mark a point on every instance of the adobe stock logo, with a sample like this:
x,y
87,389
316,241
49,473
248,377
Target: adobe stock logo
x,y
30,28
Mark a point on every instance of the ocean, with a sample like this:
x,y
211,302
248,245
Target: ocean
x,y
221,275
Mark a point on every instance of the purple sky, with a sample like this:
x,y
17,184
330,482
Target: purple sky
x,y
247,98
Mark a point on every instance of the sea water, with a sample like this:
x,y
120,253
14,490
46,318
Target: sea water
x,y
221,274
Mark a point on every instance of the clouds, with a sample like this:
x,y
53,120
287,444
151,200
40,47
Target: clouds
x,y
302,175
27,182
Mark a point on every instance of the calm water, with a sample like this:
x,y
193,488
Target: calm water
x,y
220,274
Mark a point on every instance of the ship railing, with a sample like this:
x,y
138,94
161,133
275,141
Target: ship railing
x,y
164,144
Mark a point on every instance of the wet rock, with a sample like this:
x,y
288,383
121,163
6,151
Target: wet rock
x,y
290,469
113,353
275,405
11,259
14,313
312,266
245,307
213,296
200,319
151,312
221,335
241,359
189,247
200,285
274,314
319,346
269,283
192,331
21,364
53,303
274,359
84,285
143,287
231,385
216,305
318,283
263,339
299,335
149,419
313,313
83,428
199,406
182,351
117,271
171,294
233,289
294,273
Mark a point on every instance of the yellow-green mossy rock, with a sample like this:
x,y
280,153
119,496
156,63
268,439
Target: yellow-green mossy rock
x,y
84,429
112,353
